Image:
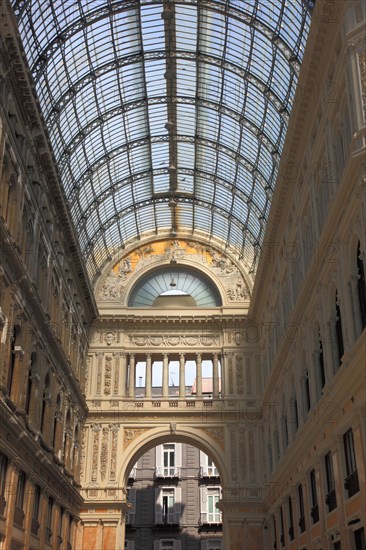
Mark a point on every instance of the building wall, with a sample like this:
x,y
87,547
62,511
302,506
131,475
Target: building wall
x,y
43,337
308,299
190,527
307,281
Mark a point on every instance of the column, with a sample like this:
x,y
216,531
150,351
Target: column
x,y
198,375
122,375
182,375
10,496
148,375
28,509
165,375
216,389
223,369
131,385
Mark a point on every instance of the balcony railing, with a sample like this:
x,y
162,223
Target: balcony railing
x,y
351,484
302,524
209,471
18,516
167,471
209,518
34,526
315,513
171,518
331,500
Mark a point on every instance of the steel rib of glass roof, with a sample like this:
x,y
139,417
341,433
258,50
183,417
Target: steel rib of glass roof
x,y
165,115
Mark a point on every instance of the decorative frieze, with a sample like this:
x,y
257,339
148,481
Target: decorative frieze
x,y
95,452
172,341
104,453
107,375
113,456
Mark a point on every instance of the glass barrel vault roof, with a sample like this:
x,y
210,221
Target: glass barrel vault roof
x,y
165,116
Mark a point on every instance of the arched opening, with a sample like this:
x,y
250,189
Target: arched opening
x,y
173,489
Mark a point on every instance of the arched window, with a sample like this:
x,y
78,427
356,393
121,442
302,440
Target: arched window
x,y
338,330
361,286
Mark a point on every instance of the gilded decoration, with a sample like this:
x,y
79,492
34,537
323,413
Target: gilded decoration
x,y
112,287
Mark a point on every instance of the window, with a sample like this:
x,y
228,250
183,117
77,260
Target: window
x,y
301,509
168,505
331,499
282,528
3,471
211,468
274,527
207,466
351,481
210,496
49,520
36,502
307,400
360,543
321,369
361,286
168,460
19,500
339,333
314,498
290,519
213,513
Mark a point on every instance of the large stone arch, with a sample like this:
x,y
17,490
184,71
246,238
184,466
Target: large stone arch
x,y
182,434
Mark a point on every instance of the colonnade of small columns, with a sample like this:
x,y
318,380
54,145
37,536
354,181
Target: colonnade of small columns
x,y
127,369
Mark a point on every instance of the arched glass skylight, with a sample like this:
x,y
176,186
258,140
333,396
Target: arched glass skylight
x,y
178,281
166,116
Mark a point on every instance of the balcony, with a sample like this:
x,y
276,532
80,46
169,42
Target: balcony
x,y
2,505
210,472
167,472
167,521
331,500
315,513
34,527
18,516
351,484
302,524
207,518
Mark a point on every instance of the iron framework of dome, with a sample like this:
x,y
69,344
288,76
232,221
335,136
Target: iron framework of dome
x,y
165,116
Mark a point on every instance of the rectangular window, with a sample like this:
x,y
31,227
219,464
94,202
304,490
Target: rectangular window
x,y
3,471
213,513
36,502
351,481
49,520
169,459
360,542
301,509
211,468
331,499
282,528
20,491
314,498
168,506
290,519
